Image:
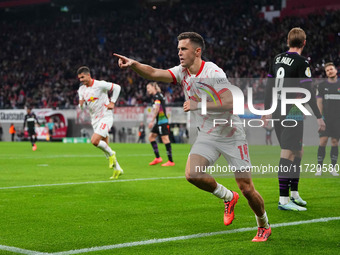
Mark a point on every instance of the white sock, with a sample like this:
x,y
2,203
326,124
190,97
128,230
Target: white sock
x,y
284,200
223,192
294,194
262,222
105,148
118,166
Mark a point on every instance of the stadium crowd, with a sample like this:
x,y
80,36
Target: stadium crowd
x,y
39,57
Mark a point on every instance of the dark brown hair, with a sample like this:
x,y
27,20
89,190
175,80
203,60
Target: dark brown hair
x,y
194,38
83,69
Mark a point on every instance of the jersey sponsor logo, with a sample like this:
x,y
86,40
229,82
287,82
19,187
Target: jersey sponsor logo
x,y
308,72
332,96
92,99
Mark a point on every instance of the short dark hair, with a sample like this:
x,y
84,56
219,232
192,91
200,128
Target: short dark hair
x,y
193,37
296,37
83,69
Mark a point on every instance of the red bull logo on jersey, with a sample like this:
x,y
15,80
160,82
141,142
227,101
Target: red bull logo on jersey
x,y
92,99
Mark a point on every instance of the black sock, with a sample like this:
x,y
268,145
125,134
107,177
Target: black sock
x,y
334,155
168,151
321,155
32,141
294,182
284,166
155,148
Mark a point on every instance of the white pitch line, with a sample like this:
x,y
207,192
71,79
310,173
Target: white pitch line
x,y
10,156
161,240
178,238
92,182
21,251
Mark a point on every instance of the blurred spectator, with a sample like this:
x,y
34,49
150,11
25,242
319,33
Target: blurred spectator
x,y
113,133
183,134
141,133
175,132
269,131
37,66
20,135
51,129
12,131
122,135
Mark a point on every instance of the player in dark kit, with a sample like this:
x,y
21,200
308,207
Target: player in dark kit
x,y
328,100
290,69
161,127
31,119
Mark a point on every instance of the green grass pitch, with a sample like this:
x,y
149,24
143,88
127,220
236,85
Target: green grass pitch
x,y
59,198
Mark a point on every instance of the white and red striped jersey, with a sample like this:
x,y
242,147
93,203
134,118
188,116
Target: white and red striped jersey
x,y
212,81
96,98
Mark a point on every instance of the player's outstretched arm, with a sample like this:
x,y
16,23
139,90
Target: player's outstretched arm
x,y
145,71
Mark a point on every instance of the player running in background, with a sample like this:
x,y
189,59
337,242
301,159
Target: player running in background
x,y
94,94
161,126
291,70
328,100
30,120
211,142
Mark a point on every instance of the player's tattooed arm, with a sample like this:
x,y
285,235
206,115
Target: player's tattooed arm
x,y
155,113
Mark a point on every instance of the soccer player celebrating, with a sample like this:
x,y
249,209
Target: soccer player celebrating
x,y
328,100
195,76
31,120
290,69
94,94
161,127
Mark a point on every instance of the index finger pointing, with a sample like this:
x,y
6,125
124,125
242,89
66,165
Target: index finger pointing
x,y
117,55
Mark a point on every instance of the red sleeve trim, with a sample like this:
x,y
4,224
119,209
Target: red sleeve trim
x,y
111,87
222,90
174,80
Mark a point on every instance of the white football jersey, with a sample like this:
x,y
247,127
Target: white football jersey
x,y
96,98
212,81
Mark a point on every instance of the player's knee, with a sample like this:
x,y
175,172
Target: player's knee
x,y
247,190
191,177
334,142
94,141
152,137
165,139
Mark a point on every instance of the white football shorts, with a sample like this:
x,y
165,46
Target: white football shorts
x,y
233,150
103,126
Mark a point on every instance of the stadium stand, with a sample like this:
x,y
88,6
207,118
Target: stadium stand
x,y
42,47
